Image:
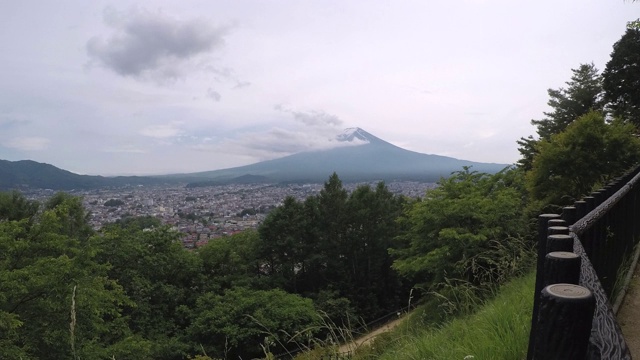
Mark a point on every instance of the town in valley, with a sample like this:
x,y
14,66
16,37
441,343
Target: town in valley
x,y
204,213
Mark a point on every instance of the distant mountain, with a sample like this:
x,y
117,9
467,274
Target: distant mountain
x,y
25,174
363,157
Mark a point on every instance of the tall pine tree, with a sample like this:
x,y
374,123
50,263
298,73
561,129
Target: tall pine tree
x,y
622,77
583,94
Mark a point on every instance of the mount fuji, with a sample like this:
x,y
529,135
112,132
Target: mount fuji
x,y
361,156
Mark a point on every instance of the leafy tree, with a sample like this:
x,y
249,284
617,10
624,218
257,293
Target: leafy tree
x,y
622,77
160,277
369,281
230,261
49,276
14,206
331,203
139,222
114,202
583,94
588,152
74,218
282,246
454,224
235,324
334,249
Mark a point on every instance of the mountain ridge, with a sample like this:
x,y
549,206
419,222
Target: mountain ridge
x,y
366,158
371,159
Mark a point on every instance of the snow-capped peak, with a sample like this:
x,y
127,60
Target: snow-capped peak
x,y
354,135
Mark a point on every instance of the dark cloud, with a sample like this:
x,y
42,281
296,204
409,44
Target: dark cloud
x,y
152,42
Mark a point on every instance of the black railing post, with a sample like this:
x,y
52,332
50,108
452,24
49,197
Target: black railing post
x,y
603,228
559,242
543,225
561,267
569,215
587,237
566,312
553,230
581,209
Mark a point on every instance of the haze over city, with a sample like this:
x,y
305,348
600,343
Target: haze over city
x,y
156,87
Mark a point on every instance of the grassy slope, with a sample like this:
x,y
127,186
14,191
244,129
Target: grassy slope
x,y
499,330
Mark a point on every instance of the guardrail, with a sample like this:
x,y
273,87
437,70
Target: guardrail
x,y
581,255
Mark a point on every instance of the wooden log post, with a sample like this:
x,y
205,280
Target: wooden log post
x,y
556,222
591,203
569,215
562,267
587,237
559,242
543,225
581,209
564,322
553,230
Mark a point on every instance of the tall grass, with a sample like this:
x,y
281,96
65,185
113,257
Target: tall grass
x,y
498,330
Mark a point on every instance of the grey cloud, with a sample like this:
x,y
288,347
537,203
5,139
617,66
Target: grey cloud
x,y
312,118
316,118
163,131
129,149
30,143
275,143
213,94
220,74
241,84
13,123
143,41
226,74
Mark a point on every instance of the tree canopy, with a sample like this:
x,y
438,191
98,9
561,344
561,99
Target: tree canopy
x,y
452,230
622,77
587,153
584,93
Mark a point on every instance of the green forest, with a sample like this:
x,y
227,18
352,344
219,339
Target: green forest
x,y
335,260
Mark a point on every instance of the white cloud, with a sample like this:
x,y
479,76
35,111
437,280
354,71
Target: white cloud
x,y
132,149
314,118
275,143
28,143
165,131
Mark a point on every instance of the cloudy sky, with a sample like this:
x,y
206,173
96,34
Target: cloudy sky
x,y
153,87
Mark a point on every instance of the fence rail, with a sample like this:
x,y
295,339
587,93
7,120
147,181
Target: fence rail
x,y
603,231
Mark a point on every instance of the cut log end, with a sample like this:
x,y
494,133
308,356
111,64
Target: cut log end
x,y
568,291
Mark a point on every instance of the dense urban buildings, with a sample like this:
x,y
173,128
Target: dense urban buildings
x,y
204,213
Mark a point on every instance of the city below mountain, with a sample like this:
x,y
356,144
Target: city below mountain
x,y
360,156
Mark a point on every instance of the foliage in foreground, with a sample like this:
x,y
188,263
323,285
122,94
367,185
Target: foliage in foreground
x,y
498,330
132,291
468,229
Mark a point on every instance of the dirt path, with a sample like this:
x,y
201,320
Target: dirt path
x,y
629,315
368,338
